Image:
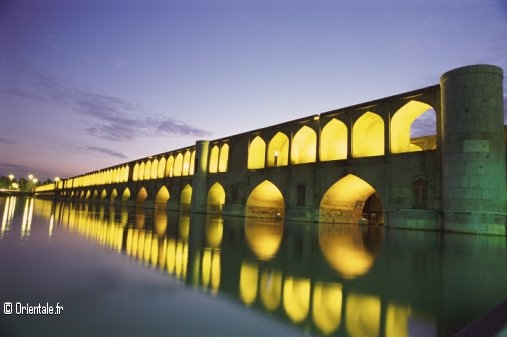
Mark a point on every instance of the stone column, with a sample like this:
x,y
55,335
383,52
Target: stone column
x,y
200,178
473,150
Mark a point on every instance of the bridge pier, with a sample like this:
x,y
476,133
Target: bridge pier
x,y
199,180
473,150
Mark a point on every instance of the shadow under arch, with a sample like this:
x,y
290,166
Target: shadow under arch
x,y
346,201
265,201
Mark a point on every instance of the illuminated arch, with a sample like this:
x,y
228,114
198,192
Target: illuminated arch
x,y
224,158
401,123
147,170
265,200
142,195
213,160
186,163
103,195
343,202
186,197
333,141
296,298
192,163
162,197
178,165
327,306
154,169
278,150
114,194
88,194
368,136
169,168
126,173
141,171
216,198
161,168
304,146
135,172
256,153
126,195
264,236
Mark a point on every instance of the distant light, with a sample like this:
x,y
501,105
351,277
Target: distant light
x,y
57,179
30,176
35,180
11,177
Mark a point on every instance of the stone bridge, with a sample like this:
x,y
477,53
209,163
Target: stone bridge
x,y
350,165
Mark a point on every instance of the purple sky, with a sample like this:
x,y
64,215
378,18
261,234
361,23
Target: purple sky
x,y
86,84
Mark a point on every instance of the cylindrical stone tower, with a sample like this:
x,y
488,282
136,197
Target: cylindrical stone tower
x,y
473,150
199,180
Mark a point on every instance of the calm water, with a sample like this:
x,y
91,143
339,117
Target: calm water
x,y
136,272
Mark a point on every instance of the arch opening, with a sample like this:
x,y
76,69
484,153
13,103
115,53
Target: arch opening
x,y
304,146
368,136
216,199
278,150
256,153
265,201
333,144
186,198
162,197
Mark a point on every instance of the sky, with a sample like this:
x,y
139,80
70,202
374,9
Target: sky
x,y
88,84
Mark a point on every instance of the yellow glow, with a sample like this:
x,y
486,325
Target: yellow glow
x,y
160,220
216,198
304,146
397,320
296,298
178,165
186,197
114,194
401,122
142,195
265,200
264,237
248,278
161,168
186,163
211,269
184,226
162,197
343,202
214,230
154,252
126,195
147,170
343,248
363,315
192,163
169,169
271,288
224,158
154,169
278,150
103,195
140,217
368,136
206,267
141,171
333,141
256,153
213,161
327,306
171,256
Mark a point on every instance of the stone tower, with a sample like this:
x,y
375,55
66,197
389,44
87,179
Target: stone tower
x,y
473,150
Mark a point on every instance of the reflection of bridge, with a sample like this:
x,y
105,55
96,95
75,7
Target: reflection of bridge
x,y
328,279
353,164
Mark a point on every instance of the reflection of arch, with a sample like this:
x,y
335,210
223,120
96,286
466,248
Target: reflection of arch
x,y
333,142
216,198
265,200
304,146
186,198
368,136
343,202
162,197
271,288
264,236
363,315
349,250
327,306
214,230
256,153
278,150
248,278
401,123
296,298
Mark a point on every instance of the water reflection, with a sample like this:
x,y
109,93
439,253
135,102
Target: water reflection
x,y
327,279
9,207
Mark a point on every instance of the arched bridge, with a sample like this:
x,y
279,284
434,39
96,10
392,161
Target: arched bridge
x,y
355,164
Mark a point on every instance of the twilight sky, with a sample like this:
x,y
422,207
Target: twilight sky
x,y
86,84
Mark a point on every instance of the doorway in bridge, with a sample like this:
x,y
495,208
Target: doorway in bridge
x,y
265,201
372,211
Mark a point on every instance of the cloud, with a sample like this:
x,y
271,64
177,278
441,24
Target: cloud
x,y
6,140
116,118
103,150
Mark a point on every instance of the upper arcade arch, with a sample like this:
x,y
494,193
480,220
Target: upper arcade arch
x,y
368,136
304,146
333,141
278,150
256,153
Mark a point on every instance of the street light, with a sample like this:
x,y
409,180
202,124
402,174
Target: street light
x,y
11,177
